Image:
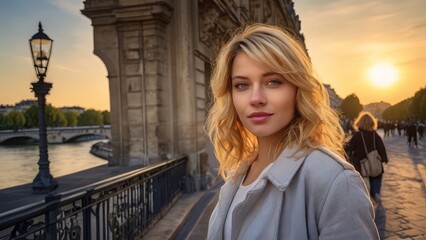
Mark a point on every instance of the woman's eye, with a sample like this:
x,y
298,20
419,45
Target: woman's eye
x,y
274,83
241,85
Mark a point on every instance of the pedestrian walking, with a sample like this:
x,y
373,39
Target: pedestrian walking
x,y
420,130
412,133
280,146
362,142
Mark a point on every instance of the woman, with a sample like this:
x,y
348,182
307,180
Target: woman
x,y
279,145
366,125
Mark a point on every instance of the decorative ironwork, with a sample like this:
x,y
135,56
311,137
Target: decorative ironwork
x,y
123,207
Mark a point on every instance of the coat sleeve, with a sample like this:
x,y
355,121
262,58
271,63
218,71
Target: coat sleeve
x,y
350,147
347,212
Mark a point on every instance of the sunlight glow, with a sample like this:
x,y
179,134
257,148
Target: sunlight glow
x,y
383,75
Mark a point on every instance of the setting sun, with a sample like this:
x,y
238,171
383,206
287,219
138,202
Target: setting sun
x,y
383,75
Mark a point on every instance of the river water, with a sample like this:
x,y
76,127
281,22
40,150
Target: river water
x,y
18,163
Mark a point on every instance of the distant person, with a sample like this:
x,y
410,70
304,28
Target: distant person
x,y
366,125
400,127
412,133
349,127
393,127
279,144
388,129
420,130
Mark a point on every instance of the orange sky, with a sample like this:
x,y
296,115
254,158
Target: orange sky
x,y
345,38
78,76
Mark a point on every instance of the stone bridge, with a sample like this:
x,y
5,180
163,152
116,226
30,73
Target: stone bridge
x,y
56,134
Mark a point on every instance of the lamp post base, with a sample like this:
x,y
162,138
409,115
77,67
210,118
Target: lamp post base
x,y
44,183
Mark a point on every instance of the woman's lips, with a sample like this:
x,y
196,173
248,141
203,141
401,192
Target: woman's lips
x,y
259,117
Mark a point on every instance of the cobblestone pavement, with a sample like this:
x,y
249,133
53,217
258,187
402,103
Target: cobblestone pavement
x,y
402,214
403,191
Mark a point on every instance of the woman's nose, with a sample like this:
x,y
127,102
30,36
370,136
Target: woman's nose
x,y
257,97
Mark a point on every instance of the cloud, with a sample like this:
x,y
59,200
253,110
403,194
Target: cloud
x,y
420,26
61,67
26,59
412,61
347,21
71,6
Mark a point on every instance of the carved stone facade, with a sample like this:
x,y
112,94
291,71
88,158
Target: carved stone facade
x,y
335,99
158,55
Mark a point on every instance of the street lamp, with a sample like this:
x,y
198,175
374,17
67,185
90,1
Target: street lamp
x,y
41,47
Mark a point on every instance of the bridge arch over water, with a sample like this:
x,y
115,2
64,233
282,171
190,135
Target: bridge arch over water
x,y
55,135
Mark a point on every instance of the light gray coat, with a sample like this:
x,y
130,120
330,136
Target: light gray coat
x,y
318,196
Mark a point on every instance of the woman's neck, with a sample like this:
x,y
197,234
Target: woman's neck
x,y
266,148
265,156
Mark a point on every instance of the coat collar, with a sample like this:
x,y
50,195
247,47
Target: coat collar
x,y
282,171
285,167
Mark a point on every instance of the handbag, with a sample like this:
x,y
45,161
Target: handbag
x,y
371,165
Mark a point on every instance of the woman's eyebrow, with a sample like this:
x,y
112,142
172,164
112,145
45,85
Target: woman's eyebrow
x,y
263,75
270,73
239,77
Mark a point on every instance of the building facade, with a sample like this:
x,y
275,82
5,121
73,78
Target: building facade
x,y
158,55
76,109
24,105
5,109
377,109
335,99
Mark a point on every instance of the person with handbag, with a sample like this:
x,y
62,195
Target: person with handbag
x,y
365,145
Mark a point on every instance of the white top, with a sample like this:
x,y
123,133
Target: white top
x,y
239,197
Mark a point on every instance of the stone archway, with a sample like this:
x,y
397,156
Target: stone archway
x,y
158,55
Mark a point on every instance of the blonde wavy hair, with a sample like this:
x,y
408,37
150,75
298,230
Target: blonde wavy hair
x,y
365,121
315,124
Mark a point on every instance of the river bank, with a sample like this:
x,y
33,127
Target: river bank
x,y
19,162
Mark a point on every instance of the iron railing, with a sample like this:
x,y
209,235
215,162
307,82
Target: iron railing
x,y
123,207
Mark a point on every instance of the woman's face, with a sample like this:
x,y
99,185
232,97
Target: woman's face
x,y
264,100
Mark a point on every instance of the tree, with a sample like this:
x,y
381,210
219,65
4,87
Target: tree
x,y
422,108
414,106
31,116
2,122
60,120
54,117
15,120
351,106
51,113
397,112
90,117
106,118
72,118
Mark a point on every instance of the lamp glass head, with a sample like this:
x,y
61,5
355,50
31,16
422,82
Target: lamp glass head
x,y
41,48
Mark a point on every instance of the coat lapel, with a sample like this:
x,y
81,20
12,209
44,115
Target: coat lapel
x,y
285,167
226,196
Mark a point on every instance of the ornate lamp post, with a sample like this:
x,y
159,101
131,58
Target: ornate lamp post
x,y
41,47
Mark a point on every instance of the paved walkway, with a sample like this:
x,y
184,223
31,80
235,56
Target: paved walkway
x,y
403,190
403,211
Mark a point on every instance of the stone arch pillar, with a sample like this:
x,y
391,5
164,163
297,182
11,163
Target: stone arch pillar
x,y
131,41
